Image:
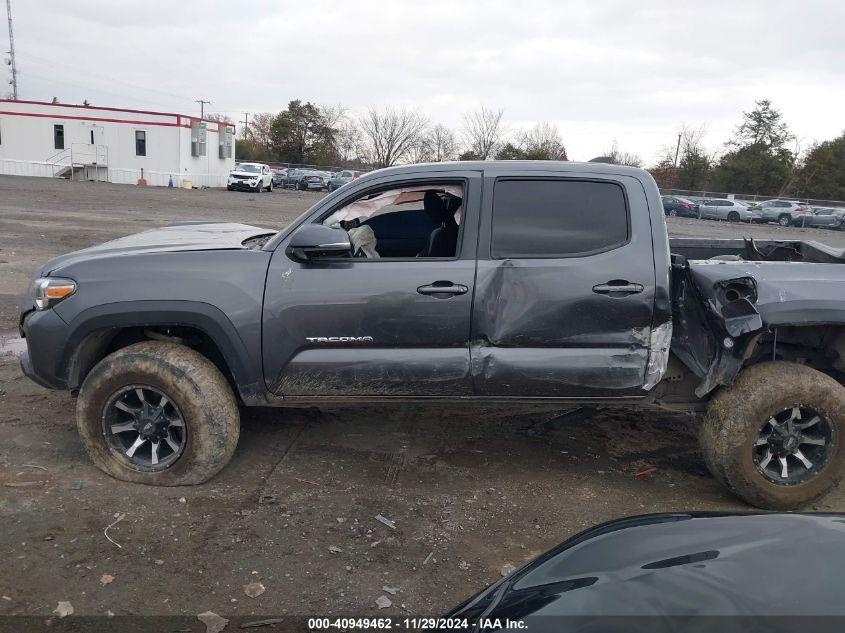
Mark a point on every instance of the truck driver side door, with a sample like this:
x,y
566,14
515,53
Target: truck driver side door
x,y
394,320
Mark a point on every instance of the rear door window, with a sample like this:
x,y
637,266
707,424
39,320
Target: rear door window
x,y
549,218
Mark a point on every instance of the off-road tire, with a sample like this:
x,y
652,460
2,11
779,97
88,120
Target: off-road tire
x,y
191,382
736,415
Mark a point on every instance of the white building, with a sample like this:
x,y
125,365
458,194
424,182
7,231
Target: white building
x,y
113,144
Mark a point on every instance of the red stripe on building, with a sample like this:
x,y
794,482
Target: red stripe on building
x,y
105,120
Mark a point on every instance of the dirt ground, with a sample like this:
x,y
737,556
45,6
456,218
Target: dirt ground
x,y
295,510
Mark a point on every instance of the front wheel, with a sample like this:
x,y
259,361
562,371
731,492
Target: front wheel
x,y
775,437
158,413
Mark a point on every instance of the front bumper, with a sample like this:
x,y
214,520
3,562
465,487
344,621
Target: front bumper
x,y
46,337
242,185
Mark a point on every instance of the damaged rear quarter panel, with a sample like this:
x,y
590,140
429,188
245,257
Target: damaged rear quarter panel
x,y
788,293
738,300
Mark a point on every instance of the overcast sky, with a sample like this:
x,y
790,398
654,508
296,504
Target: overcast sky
x,y
600,70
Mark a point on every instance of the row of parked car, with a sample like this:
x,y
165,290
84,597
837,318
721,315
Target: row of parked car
x,y
257,177
312,179
784,212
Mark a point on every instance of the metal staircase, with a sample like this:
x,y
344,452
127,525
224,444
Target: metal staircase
x,y
81,161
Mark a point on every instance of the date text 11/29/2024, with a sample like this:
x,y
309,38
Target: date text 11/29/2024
x,y
415,624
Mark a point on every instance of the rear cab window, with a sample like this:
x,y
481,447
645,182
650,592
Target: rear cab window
x,y
555,218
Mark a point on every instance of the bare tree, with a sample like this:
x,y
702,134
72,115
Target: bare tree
x,y
349,141
542,142
623,158
391,134
443,144
483,131
422,151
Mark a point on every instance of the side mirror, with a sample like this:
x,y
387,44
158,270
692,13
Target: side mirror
x,y
314,241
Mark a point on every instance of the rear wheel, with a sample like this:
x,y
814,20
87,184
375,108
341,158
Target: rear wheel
x,y
158,413
733,216
775,437
784,220
673,213
270,186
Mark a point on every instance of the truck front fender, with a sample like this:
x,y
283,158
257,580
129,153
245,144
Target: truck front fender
x,y
91,330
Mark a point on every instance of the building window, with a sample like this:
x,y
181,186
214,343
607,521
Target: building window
x,y
140,143
59,136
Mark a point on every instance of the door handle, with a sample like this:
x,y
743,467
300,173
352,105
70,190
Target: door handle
x,y
618,288
442,289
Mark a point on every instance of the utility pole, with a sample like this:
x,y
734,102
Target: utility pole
x,y
202,103
677,149
246,123
11,60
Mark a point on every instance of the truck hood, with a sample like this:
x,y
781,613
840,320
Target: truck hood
x,y
249,174
183,236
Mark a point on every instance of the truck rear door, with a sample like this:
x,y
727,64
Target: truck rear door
x,y
564,294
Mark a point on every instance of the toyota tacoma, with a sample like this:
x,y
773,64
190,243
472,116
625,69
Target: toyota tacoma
x,y
548,282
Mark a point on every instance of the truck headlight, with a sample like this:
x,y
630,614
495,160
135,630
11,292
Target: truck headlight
x,y
48,291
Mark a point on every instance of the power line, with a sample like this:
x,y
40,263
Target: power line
x,y
11,60
246,123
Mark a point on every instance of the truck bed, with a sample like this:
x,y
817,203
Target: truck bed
x,y
757,250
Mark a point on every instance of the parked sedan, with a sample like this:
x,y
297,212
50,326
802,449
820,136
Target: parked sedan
x,y
292,177
311,180
722,209
343,177
279,176
675,206
822,217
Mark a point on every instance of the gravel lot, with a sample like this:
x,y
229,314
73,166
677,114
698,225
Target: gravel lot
x,y
295,509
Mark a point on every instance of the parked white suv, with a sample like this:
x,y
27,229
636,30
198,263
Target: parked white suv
x,y
784,212
250,177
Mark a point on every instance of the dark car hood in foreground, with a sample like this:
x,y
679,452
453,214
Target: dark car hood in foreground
x,y
186,236
680,565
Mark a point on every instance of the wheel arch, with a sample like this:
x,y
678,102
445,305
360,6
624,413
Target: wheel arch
x,y
103,329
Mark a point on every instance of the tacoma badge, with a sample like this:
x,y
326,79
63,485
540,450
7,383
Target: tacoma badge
x,y
339,339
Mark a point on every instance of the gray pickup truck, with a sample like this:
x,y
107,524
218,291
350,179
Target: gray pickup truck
x,y
474,281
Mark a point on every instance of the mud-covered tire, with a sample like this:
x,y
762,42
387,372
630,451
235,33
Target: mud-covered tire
x,y
736,415
191,382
